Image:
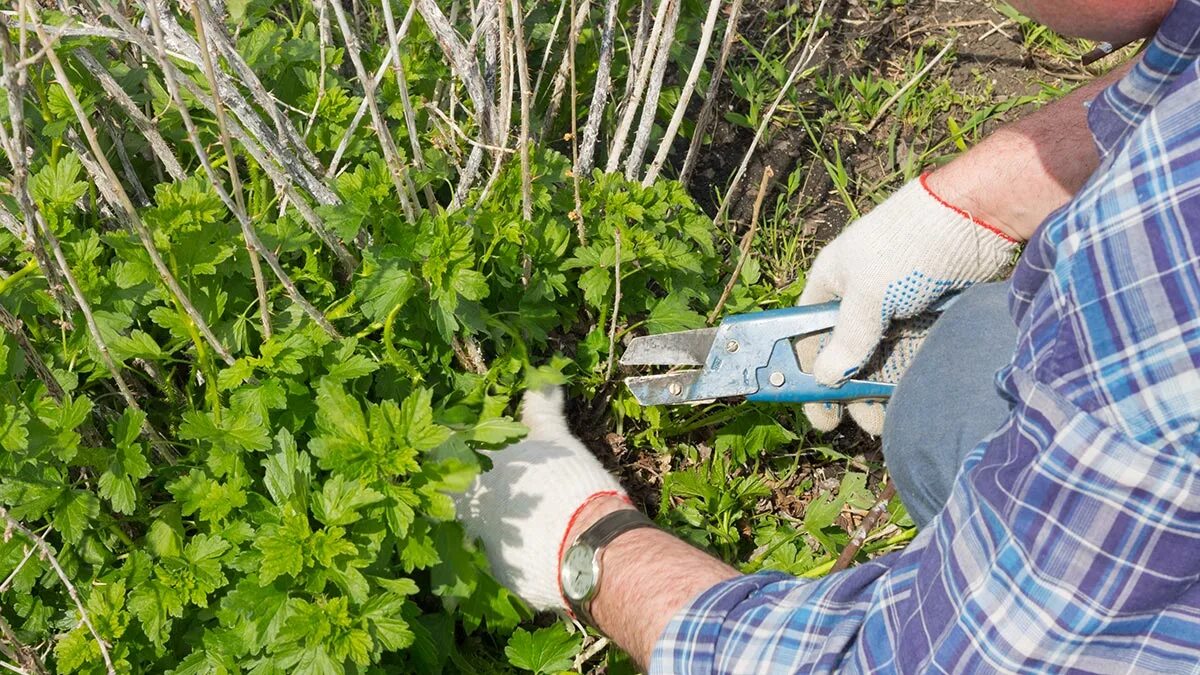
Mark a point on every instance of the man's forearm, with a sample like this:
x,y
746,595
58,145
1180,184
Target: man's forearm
x,y
1025,170
648,576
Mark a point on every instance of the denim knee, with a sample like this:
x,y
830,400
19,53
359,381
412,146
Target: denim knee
x,y
948,401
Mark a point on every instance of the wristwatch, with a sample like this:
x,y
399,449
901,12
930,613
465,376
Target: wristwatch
x,y
580,572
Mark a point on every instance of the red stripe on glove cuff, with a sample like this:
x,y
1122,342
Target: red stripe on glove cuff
x,y
982,223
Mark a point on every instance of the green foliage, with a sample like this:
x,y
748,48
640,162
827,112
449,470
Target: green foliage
x,y
290,511
546,650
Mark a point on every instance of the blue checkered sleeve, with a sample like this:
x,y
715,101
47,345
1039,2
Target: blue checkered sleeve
x,y
1071,541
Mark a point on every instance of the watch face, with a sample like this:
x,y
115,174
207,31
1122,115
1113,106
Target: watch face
x,y
578,571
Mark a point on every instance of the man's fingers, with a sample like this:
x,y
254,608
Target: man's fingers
x,y
823,416
853,340
868,415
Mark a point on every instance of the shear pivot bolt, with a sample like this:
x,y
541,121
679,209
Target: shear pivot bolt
x,y
675,389
777,379
732,346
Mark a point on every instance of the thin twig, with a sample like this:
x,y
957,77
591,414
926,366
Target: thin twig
x,y
744,247
395,37
685,96
708,109
235,181
526,99
384,134
47,554
802,61
580,228
864,529
612,323
566,69
562,6
885,109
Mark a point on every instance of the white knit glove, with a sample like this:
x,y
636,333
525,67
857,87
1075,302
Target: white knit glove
x,y
892,265
522,507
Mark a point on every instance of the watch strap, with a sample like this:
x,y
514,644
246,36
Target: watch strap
x,y
613,525
599,534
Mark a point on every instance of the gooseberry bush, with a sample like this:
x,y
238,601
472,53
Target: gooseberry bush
x,y
262,318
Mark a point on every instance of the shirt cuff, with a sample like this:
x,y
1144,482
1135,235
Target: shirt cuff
x,y
689,642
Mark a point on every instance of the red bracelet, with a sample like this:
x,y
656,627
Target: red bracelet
x,y
562,544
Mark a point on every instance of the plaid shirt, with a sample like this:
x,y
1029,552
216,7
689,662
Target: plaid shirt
x,y
1071,541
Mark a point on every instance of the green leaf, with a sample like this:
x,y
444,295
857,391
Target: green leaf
x,y
14,433
417,425
547,650
58,184
672,313
75,511
283,547
384,287
287,471
496,431
340,499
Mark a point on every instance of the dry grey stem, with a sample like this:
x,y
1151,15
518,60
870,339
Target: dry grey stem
x,y
631,103
653,89
390,154
685,96
710,97
591,130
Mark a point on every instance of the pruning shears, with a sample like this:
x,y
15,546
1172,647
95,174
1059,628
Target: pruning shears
x,y
748,355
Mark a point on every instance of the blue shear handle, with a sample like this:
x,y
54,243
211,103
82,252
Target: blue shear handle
x,y
782,381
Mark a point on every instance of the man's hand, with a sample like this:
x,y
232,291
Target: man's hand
x,y
890,266
521,509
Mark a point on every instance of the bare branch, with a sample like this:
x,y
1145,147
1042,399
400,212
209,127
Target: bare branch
x,y
591,130
144,124
123,201
463,63
215,29
650,108
634,99
282,174
382,132
685,96
710,97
